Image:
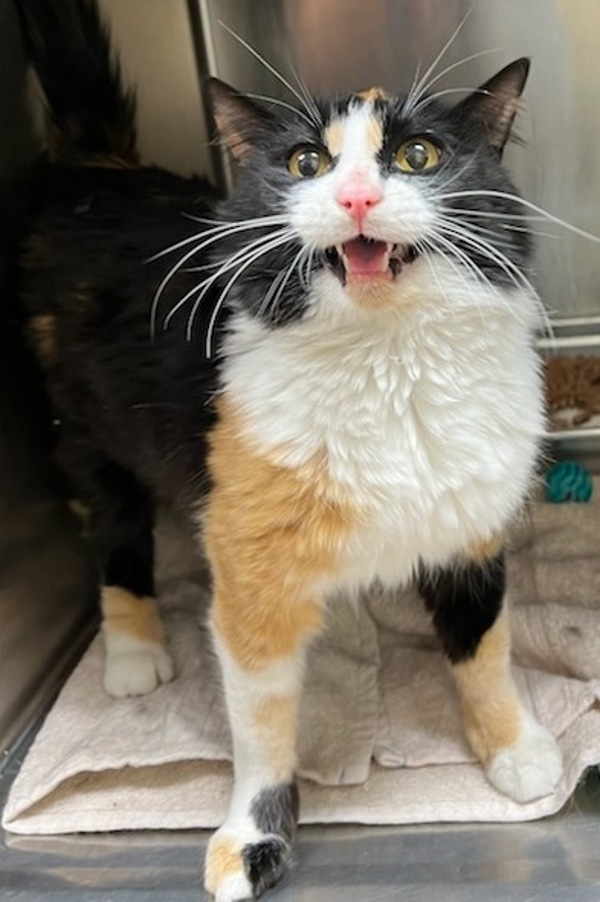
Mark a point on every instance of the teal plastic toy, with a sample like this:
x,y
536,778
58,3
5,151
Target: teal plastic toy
x,y
568,481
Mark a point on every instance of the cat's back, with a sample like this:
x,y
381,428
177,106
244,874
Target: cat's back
x,y
87,287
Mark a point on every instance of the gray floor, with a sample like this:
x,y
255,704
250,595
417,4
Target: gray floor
x,y
556,860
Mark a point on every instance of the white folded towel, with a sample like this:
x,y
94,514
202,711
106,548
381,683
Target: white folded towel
x,y
381,738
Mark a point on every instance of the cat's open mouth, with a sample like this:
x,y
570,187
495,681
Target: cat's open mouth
x,y
366,259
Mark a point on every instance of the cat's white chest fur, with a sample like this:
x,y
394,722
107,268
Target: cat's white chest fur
x,y
430,420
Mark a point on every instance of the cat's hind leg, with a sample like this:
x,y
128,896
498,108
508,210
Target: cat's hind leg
x,y
520,756
137,659
119,526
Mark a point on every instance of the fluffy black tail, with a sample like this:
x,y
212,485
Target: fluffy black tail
x,y
89,113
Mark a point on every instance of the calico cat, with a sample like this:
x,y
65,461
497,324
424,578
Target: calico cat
x,y
330,372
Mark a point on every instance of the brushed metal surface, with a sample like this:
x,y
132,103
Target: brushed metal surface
x,y
44,577
555,860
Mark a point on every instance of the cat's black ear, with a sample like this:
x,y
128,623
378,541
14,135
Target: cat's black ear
x,y
237,118
496,102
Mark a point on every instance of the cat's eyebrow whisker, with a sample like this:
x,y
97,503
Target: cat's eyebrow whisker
x,y
423,82
278,102
422,96
431,98
411,91
239,257
271,69
308,97
505,195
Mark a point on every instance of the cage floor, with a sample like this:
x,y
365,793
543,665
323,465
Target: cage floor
x,y
555,860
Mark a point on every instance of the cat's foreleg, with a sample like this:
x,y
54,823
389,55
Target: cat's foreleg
x,y
261,650
521,758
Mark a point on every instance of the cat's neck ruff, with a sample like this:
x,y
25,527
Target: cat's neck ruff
x,y
418,412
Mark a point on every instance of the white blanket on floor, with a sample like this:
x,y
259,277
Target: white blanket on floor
x,y
380,737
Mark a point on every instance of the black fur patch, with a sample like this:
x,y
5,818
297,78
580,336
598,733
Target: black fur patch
x,y
465,602
275,810
265,863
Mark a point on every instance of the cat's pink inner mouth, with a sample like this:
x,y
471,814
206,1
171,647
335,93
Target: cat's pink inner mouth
x,y
362,257
367,259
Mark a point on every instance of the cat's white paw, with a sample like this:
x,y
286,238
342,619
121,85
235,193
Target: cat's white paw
x,y
234,889
135,666
529,769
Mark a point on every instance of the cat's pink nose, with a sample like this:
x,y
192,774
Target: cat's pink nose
x,y
358,198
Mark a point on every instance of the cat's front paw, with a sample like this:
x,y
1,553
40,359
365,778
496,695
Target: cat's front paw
x,y
530,768
135,667
241,865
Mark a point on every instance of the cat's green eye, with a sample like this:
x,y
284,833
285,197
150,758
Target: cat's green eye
x,y
308,162
418,155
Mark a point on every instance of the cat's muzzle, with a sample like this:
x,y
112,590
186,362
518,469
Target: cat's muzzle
x,y
365,258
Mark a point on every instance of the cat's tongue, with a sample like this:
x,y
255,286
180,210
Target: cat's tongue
x,y
364,257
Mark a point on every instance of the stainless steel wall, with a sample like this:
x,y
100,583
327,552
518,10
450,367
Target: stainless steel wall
x,y
46,596
351,44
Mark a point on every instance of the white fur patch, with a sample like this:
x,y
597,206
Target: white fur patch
x,y
134,666
234,888
404,215
529,769
429,414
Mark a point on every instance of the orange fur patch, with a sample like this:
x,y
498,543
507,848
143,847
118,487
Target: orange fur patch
x,y
222,860
131,615
334,137
373,295
485,550
271,532
275,719
490,702
372,94
43,338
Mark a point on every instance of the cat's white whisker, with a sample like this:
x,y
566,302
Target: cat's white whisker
x,y
282,103
263,249
423,82
431,98
516,275
287,277
221,227
203,287
272,70
423,95
488,250
505,195
226,232
308,97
